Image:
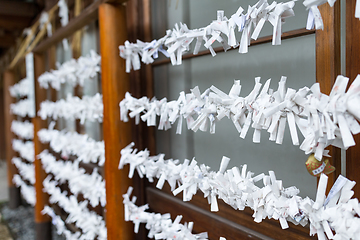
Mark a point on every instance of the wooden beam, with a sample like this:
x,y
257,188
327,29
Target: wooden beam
x,y
352,70
7,40
12,23
16,8
42,222
14,192
117,134
328,66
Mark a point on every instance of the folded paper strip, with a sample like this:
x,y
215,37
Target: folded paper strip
x,y
237,188
322,120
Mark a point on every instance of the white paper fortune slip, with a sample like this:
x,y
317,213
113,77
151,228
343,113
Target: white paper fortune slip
x,y
237,188
322,120
177,41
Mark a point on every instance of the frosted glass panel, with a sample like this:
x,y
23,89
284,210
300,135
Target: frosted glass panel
x,y
295,58
61,57
91,87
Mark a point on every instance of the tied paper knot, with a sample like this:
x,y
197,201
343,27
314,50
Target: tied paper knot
x,y
91,186
24,130
91,224
159,226
28,192
88,108
23,108
322,120
177,41
25,149
21,89
26,171
73,72
314,16
237,188
85,148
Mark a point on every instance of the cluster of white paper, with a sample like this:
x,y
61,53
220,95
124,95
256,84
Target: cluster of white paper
x,y
237,188
88,108
22,88
91,224
323,120
177,41
91,186
23,108
61,228
74,72
25,149
72,143
28,192
24,130
159,226
26,171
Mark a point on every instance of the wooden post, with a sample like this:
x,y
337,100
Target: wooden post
x,y
42,222
117,134
352,70
14,192
328,66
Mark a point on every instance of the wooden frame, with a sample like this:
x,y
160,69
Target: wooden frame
x,y
118,23
352,70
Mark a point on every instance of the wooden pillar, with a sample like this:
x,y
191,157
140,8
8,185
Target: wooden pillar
x,y
14,192
117,134
328,66
42,222
352,70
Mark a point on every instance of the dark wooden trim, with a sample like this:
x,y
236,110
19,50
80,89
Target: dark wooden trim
x,y
229,223
352,70
117,134
261,40
328,66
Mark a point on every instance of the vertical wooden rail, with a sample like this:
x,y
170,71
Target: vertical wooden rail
x,y
117,134
42,222
14,192
352,70
328,65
